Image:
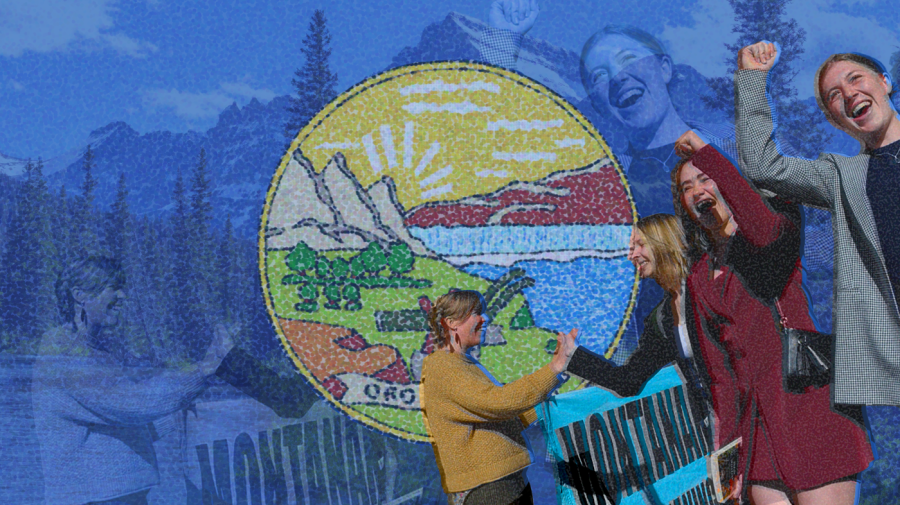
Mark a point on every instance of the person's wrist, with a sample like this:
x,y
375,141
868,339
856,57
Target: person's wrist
x,y
558,363
569,357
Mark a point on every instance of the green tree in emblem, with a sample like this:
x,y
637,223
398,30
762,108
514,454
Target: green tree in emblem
x,y
308,295
343,279
323,267
351,294
340,268
401,259
373,258
332,293
301,258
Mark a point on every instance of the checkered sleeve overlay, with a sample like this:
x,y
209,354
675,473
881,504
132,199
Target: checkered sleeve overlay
x,y
809,182
500,47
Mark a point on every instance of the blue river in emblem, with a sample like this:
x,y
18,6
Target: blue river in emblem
x,y
589,293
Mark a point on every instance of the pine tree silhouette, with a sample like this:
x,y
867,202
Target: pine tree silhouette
x,y
314,82
30,265
756,20
85,221
118,222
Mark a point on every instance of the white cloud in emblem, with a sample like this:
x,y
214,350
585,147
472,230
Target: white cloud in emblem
x,y
440,86
337,145
526,156
567,142
505,124
456,107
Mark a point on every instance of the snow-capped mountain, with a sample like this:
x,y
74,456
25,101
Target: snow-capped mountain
x,y
245,147
330,210
242,152
458,37
11,166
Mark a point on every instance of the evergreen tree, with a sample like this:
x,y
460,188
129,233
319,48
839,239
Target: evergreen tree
x,y
47,260
315,82
89,184
193,261
63,229
31,266
756,20
180,228
201,208
179,199
119,222
202,261
87,235
227,274
181,297
157,292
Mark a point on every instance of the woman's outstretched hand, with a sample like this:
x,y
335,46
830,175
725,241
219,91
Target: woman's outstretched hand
x,y
565,346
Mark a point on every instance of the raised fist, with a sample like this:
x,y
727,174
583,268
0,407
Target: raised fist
x,y
514,15
759,56
688,144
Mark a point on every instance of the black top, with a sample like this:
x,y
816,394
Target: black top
x,y
658,347
883,190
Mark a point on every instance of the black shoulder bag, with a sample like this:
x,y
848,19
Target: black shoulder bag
x,y
805,356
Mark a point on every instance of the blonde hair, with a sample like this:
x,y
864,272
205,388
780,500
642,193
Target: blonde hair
x,y
867,63
456,306
665,237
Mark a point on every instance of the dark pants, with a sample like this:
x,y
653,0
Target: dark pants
x,y
509,490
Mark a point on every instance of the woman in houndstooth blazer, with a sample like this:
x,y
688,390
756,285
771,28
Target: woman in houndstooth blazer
x,y
853,94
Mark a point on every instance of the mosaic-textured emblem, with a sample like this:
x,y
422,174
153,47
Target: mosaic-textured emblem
x,y
434,177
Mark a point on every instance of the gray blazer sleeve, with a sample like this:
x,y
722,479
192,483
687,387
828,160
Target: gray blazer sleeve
x,y
810,182
500,47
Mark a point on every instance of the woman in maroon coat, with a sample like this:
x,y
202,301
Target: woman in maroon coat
x,y
795,448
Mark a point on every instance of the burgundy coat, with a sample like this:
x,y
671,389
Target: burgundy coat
x,y
795,438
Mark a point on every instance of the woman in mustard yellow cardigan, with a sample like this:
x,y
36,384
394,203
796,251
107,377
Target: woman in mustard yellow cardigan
x,y
475,422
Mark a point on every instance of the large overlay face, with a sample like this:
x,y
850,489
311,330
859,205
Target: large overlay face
x,y
435,177
628,81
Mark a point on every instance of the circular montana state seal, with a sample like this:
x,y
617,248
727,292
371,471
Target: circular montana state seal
x,y
430,178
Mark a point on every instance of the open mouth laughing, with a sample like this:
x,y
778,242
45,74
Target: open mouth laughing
x,y
860,109
628,98
704,207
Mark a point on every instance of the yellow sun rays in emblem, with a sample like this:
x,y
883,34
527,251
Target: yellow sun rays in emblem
x,y
443,134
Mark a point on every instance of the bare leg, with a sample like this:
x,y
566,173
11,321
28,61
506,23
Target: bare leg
x,y
838,493
762,495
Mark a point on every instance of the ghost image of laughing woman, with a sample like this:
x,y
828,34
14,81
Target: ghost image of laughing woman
x,y
626,73
93,407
